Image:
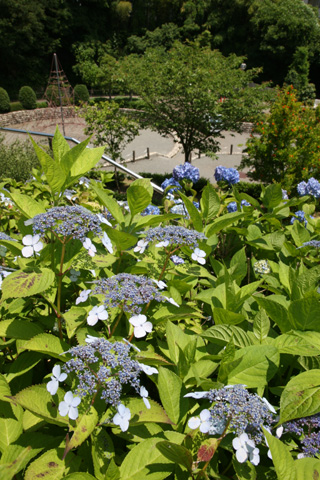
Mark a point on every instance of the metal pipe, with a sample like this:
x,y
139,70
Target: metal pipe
x,y
74,140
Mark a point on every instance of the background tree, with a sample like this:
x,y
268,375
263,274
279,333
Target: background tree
x,y
182,90
285,147
298,76
111,128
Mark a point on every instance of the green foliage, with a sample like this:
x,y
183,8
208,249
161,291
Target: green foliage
x,y
182,88
81,94
27,98
284,147
220,321
111,128
17,160
298,76
4,101
15,106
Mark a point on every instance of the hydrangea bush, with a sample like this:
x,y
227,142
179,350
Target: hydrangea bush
x,y
143,343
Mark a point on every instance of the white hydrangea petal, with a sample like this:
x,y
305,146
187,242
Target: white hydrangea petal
x,y
279,431
201,260
75,402
139,332
241,455
205,427
196,395
53,386
148,327
137,320
103,315
27,251
35,239
205,415
92,320
148,370
38,246
236,443
56,371
146,402
143,391
194,422
271,408
73,413
68,397
62,377
27,240
63,409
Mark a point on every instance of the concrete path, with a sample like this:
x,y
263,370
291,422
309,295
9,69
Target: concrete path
x,y
165,154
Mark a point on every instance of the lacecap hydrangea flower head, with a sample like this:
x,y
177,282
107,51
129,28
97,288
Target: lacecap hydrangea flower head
x,y
235,410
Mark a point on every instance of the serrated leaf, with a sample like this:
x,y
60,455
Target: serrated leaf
x,y
22,284
221,334
299,343
301,396
102,452
27,205
261,325
109,203
80,476
21,329
138,198
224,222
9,470
207,450
136,464
221,316
272,196
54,173
254,366
176,454
210,202
85,426
122,240
304,313
25,362
307,469
60,145
50,466
39,401
193,212
74,318
48,344
276,307
85,162
171,391
281,457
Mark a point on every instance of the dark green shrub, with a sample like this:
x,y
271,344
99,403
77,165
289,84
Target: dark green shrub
x,y
252,189
4,101
42,104
17,160
27,98
81,94
15,106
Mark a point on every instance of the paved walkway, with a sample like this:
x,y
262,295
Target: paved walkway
x,y
164,153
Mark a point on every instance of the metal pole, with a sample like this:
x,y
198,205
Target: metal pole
x,y
74,140
60,100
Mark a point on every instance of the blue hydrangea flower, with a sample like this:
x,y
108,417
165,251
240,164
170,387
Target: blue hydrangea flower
x,y
229,175
70,221
232,207
301,217
176,259
171,182
244,203
127,291
174,235
187,171
245,411
285,195
311,243
308,429
302,189
313,187
151,210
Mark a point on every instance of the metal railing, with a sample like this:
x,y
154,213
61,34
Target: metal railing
x,y
74,140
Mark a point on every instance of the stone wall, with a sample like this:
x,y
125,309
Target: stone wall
x,y
37,115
